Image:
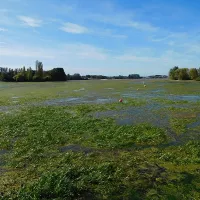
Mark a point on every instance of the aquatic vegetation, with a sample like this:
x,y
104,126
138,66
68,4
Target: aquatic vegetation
x,y
62,142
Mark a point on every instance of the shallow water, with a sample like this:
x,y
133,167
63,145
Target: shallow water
x,y
195,124
78,100
161,94
135,115
79,90
76,148
2,162
3,151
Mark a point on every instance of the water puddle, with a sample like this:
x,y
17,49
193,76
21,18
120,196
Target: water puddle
x,y
2,170
9,109
76,148
159,93
3,151
78,100
150,114
2,162
194,124
137,115
79,90
62,101
184,97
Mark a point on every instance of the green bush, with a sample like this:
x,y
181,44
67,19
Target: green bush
x,y
19,77
198,79
47,78
37,78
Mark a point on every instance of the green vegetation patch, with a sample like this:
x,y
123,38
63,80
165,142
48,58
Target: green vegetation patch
x,y
64,152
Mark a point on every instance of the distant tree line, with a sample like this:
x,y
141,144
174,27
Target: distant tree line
x,y
157,76
177,73
56,74
28,74
88,77
130,76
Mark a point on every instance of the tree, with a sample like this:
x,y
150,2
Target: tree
x,y
19,77
76,76
29,74
68,77
39,70
198,72
183,74
193,73
2,76
134,76
24,70
21,74
173,73
58,74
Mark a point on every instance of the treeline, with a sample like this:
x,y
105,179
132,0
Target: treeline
x,y
177,73
28,75
56,74
88,77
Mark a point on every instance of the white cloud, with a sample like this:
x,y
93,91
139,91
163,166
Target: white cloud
x,y
77,51
142,26
167,58
23,51
77,29
109,33
122,19
85,51
3,30
82,58
74,28
171,43
29,21
130,57
161,39
169,36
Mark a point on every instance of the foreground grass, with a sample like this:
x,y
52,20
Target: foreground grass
x,y
64,153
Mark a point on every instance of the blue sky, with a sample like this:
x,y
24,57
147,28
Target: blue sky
x,y
110,37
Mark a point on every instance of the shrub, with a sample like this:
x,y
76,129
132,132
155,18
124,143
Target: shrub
x,y
47,78
198,79
36,78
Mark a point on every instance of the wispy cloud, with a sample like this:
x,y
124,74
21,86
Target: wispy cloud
x,y
29,21
122,20
22,51
169,36
142,26
171,43
74,28
109,33
85,51
2,44
165,58
77,57
129,57
78,29
77,51
3,29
